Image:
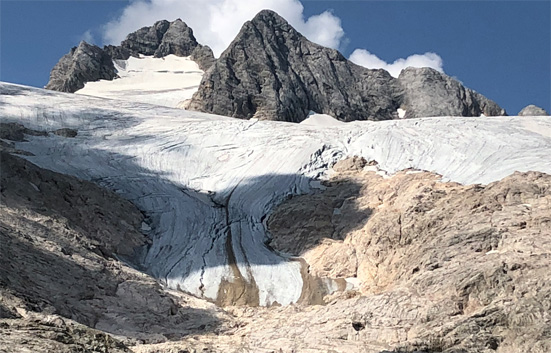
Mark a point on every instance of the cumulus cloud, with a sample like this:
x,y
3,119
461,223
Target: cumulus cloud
x,y
217,22
364,58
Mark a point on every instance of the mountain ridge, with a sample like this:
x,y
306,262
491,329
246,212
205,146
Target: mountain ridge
x,y
272,72
88,62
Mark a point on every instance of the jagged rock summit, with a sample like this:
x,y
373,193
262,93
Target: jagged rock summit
x,y
82,64
89,62
270,71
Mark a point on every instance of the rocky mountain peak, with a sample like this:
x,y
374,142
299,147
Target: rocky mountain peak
x,y
271,71
268,16
271,19
162,39
83,63
88,62
428,92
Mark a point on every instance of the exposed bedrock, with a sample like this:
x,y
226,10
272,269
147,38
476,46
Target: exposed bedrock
x,y
88,62
272,72
62,240
474,256
532,110
428,92
82,64
444,267
165,38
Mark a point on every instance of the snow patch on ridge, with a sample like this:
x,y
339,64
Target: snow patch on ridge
x,y
167,81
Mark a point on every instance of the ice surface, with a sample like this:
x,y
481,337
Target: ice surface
x,y
203,179
166,81
315,119
401,113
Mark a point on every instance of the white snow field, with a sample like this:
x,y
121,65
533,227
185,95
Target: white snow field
x,y
207,182
166,81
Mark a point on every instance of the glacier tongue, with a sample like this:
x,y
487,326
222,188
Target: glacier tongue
x,y
207,182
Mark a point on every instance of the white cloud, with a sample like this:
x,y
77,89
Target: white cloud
x,y
88,37
364,58
217,22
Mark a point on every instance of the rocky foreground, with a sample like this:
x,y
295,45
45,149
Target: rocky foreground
x,y
440,267
63,283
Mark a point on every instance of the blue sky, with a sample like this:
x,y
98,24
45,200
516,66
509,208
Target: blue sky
x,y
501,49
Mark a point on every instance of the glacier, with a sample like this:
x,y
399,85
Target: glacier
x,y
206,183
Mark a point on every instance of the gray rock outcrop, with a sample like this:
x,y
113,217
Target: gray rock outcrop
x,y
428,92
270,71
87,62
147,40
203,56
532,110
82,64
162,39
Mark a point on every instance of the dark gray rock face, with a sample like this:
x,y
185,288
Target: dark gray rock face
x,y
270,71
428,92
532,110
177,40
161,39
17,132
82,64
146,40
117,52
87,62
66,132
203,56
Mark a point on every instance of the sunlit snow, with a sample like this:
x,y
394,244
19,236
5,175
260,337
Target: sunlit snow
x,y
166,81
201,177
